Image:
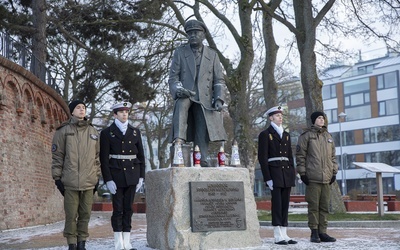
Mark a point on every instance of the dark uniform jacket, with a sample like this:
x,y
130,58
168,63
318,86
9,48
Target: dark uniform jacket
x,y
122,171
270,145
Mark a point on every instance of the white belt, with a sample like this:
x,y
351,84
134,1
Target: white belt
x,y
123,157
278,159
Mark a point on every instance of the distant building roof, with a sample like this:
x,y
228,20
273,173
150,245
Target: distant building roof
x,y
388,62
333,72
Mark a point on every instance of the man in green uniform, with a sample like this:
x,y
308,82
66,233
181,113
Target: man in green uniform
x,y
76,170
316,164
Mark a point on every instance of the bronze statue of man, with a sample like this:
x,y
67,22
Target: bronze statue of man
x,y
197,84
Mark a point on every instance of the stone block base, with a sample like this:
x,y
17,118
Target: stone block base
x,y
168,210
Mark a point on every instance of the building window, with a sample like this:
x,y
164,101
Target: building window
x,y
382,134
388,80
388,107
358,113
347,138
355,86
328,92
391,158
331,115
357,99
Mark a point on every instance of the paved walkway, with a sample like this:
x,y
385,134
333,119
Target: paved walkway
x,y
376,235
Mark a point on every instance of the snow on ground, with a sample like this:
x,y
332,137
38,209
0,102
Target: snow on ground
x,y
348,238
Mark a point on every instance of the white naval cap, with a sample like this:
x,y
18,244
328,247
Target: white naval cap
x,y
121,106
274,110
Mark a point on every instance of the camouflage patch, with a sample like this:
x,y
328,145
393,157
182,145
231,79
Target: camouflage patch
x,y
53,148
298,148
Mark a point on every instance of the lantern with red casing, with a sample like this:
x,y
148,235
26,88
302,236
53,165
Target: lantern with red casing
x,y
221,157
196,156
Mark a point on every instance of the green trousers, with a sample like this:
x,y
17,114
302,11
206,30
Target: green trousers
x,y
317,197
77,207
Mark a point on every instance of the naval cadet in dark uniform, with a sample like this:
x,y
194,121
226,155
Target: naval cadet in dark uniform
x,y
277,166
123,168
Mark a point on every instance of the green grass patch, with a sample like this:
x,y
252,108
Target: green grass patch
x,y
266,216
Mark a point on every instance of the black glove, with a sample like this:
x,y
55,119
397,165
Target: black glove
x,y
60,186
96,187
333,179
304,179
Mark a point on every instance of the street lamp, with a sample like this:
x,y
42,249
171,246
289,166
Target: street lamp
x,y
342,115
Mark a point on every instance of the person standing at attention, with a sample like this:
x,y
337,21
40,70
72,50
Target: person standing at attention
x,y
123,169
196,82
76,171
316,164
276,161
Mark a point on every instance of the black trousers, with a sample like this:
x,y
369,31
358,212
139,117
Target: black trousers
x,y
280,206
122,201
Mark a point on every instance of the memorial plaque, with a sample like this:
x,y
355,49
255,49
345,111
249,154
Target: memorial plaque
x,y
217,206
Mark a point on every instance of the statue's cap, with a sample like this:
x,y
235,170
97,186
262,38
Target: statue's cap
x,y
194,24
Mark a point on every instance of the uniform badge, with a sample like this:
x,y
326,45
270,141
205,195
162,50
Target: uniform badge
x,y
53,148
330,140
134,133
93,137
270,137
112,134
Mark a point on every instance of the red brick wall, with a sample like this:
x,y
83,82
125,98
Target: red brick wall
x,y
29,112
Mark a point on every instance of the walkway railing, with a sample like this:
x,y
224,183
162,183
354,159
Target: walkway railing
x,y
19,54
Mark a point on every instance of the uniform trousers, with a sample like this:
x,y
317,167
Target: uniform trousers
x,y
77,207
122,201
185,108
280,206
317,197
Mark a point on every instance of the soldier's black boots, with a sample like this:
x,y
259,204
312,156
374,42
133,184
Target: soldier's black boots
x,y
315,236
326,238
71,246
81,245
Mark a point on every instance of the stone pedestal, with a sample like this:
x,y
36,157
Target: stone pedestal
x,y
168,210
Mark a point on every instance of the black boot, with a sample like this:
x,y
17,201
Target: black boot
x,y
314,236
81,245
326,238
71,246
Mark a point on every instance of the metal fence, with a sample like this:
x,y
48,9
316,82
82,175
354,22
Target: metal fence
x,y
19,54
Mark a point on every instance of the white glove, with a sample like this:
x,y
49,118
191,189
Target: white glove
x,y
111,187
140,184
270,184
299,180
